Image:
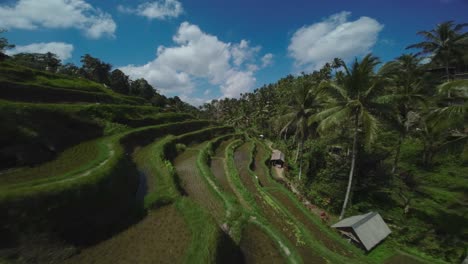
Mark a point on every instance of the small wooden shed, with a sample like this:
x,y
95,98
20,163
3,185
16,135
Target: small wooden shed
x,y
366,230
277,158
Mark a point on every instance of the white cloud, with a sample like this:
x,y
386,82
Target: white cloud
x,y
33,14
161,9
267,60
195,101
198,56
62,50
237,83
312,46
242,52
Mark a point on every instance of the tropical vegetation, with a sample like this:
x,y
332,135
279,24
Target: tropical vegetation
x,y
97,167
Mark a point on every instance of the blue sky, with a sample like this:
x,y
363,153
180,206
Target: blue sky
x,y
207,49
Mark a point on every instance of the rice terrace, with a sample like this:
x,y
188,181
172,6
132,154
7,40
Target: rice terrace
x,y
353,151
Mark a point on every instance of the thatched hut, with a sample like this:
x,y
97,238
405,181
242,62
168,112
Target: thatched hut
x,y
277,158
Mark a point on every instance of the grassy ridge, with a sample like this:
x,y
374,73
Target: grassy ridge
x,y
54,201
35,133
93,153
309,237
205,232
378,255
19,83
253,211
234,217
18,73
43,94
156,159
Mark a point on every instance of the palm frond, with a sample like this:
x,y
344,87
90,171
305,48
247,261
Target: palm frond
x,y
333,90
333,117
370,126
455,85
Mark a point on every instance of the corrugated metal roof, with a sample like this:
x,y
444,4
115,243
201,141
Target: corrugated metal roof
x,y
465,261
277,155
370,228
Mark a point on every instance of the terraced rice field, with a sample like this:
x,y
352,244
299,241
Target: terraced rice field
x,y
218,164
213,201
162,235
194,185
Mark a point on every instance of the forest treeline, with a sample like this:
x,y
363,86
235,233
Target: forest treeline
x,y
370,136
96,70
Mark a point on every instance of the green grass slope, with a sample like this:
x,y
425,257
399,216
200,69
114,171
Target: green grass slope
x,y
19,83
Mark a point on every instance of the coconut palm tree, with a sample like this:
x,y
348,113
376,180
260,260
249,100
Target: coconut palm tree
x,y
352,97
305,104
445,125
405,87
445,42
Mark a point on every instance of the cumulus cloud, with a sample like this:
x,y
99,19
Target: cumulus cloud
x,y
33,14
161,9
62,50
267,60
312,46
197,56
242,52
237,83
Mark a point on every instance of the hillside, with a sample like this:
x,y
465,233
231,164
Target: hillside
x,y
90,175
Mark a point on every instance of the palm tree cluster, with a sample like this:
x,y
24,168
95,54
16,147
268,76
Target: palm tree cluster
x,y
360,131
403,97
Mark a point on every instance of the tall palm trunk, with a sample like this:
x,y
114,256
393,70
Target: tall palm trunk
x,y
448,75
397,154
447,72
353,164
297,151
300,160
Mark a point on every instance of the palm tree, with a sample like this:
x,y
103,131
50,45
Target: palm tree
x,y
304,105
405,76
444,43
445,126
352,97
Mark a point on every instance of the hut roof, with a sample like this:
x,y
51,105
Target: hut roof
x,y
370,228
277,155
465,261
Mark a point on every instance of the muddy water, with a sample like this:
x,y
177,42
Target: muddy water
x,y
161,237
194,184
142,187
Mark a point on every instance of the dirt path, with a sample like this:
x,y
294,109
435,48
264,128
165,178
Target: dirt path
x,y
194,184
161,237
